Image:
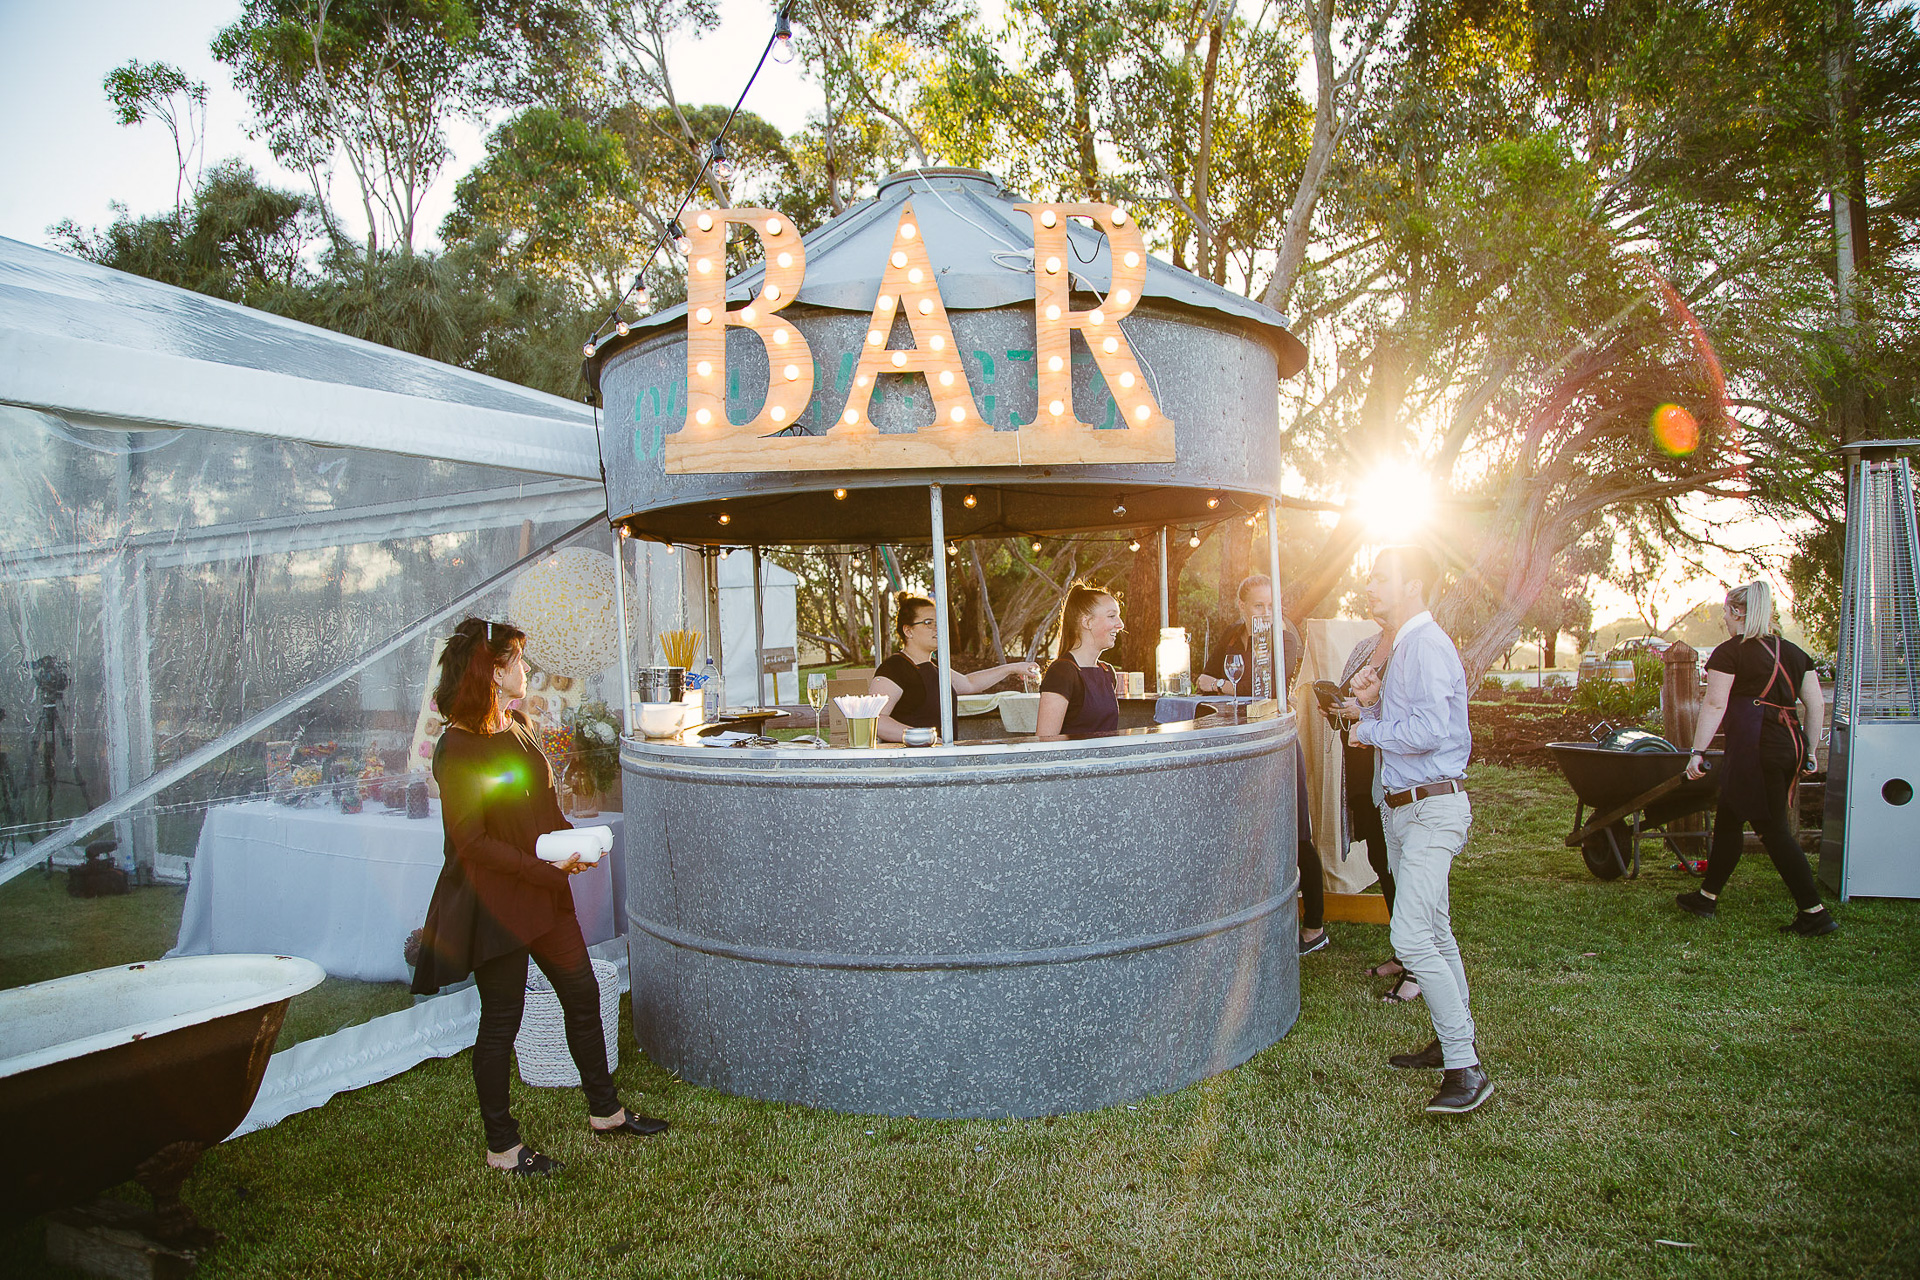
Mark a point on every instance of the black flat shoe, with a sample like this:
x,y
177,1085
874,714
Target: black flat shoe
x,y
1695,903
634,1126
533,1165
1811,924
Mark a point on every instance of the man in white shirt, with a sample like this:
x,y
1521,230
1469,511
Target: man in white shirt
x,y
1415,715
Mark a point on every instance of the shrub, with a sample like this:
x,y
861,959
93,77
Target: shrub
x,y
1628,703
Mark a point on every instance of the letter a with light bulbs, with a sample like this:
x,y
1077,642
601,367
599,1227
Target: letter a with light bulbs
x,y
957,435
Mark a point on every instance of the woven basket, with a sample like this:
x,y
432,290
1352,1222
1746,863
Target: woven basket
x,y
541,1045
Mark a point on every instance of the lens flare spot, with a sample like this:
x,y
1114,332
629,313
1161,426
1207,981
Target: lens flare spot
x,y
1675,431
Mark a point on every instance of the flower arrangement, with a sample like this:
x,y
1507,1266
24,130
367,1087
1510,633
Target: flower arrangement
x,y
596,743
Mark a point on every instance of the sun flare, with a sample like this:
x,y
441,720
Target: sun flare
x,y
1394,502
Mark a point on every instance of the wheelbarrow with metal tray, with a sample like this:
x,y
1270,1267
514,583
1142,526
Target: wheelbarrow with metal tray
x,y
1633,781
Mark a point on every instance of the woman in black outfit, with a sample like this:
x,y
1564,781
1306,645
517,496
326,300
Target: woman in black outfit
x,y
495,903
1078,695
909,679
1752,681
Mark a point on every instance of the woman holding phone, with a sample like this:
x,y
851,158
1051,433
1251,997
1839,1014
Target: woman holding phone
x,y
496,904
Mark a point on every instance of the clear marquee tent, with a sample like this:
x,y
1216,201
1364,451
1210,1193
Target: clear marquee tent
x,y
221,527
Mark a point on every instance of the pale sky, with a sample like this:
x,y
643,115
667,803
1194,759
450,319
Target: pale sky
x,y
62,155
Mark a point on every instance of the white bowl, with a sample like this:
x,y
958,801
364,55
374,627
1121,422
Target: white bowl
x,y
660,719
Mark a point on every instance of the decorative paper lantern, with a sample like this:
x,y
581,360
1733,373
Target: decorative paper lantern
x,y
565,605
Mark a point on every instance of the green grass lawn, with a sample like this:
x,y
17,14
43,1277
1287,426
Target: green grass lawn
x,y
1750,1094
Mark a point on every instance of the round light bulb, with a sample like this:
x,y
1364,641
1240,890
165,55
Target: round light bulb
x,y
875,337
704,222
589,349
926,306
1053,313
937,342
1193,540
771,292
785,259
899,258
969,500
704,315
1096,317
703,266
704,368
1053,266
703,416
899,359
908,230
793,372
1213,502
851,415
915,276
620,327
1126,378
946,377
862,380
1036,546
1122,296
1054,363
953,549
1141,413
749,314
778,413
725,518
1119,216
1134,545
1110,346
780,337
884,302
773,226
1131,258
1056,407
839,495
959,414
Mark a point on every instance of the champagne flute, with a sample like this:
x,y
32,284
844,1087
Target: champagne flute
x,y
817,697
1234,666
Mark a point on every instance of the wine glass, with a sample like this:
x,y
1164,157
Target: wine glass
x,y
817,697
1235,666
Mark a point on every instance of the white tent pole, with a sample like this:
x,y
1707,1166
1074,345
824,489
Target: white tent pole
x,y
710,565
153,785
943,660
1166,619
760,698
626,642
1279,625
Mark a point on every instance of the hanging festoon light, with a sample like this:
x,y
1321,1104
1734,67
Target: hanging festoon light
x,y
1036,546
642,297
1133,544
718,162
1193,539
620,327
678,234
783,38
970,500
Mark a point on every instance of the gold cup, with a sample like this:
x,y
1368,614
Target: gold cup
x,y
863,732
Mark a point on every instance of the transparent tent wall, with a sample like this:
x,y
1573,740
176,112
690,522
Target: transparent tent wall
x,y
180,581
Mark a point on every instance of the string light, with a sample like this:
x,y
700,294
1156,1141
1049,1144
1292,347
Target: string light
x,y
783,39
1119,509
1213,502
725,518
970,500
725,552
620,327
718,162
839,495
589,349
678,234
953,548
1193,539
1036,546
1133,544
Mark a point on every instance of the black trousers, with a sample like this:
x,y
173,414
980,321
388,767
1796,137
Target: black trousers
x,y
1777,832
561,954
1313,884
1364,814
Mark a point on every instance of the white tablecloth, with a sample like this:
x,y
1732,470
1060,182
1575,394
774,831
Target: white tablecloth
x,y
343,890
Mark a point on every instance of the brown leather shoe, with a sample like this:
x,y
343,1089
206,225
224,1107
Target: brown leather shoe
x,y
1461,1090
1431,1058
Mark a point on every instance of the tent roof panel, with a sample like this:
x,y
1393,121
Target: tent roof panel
x,y
108,348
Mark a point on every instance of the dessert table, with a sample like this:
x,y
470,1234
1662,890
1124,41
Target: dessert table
x,y
343,890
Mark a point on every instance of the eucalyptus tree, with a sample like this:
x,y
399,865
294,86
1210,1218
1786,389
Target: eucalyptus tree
x,y
142,91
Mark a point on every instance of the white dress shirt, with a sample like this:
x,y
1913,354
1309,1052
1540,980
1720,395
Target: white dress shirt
x,y
1419,721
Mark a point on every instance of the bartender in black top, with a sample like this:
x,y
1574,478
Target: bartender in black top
x,y
909,679
1753,681
1078,694
1256,601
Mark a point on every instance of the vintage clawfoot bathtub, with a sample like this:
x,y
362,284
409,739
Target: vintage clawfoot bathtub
x,y
132,1072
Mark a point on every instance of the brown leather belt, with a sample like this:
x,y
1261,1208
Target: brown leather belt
x,y
1426,790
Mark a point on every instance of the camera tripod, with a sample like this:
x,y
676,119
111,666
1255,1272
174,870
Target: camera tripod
x,y
43,748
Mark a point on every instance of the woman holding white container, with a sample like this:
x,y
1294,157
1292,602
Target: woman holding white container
x,y
497,903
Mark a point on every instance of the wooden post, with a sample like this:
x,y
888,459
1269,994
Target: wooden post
x,y
1680,695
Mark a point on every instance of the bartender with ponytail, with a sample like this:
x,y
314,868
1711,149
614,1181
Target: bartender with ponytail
x,y
910,679
496,904
1078,695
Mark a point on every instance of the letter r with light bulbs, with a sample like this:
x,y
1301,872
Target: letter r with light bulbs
x,y
958,436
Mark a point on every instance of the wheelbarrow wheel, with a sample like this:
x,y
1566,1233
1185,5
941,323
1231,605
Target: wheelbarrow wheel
x,y
1606,851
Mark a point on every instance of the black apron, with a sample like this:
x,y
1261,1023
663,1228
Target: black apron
x,y
1743,785
1099,709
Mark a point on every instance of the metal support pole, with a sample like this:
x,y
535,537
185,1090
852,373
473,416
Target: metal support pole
x,y
1279,620
711,567
1166,616
943,660
760,698
626,641
879,604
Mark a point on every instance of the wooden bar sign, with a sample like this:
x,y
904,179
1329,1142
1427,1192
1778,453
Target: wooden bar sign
x,y
958,436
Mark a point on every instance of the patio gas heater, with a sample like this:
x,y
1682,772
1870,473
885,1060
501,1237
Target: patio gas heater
x,y
1870,840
